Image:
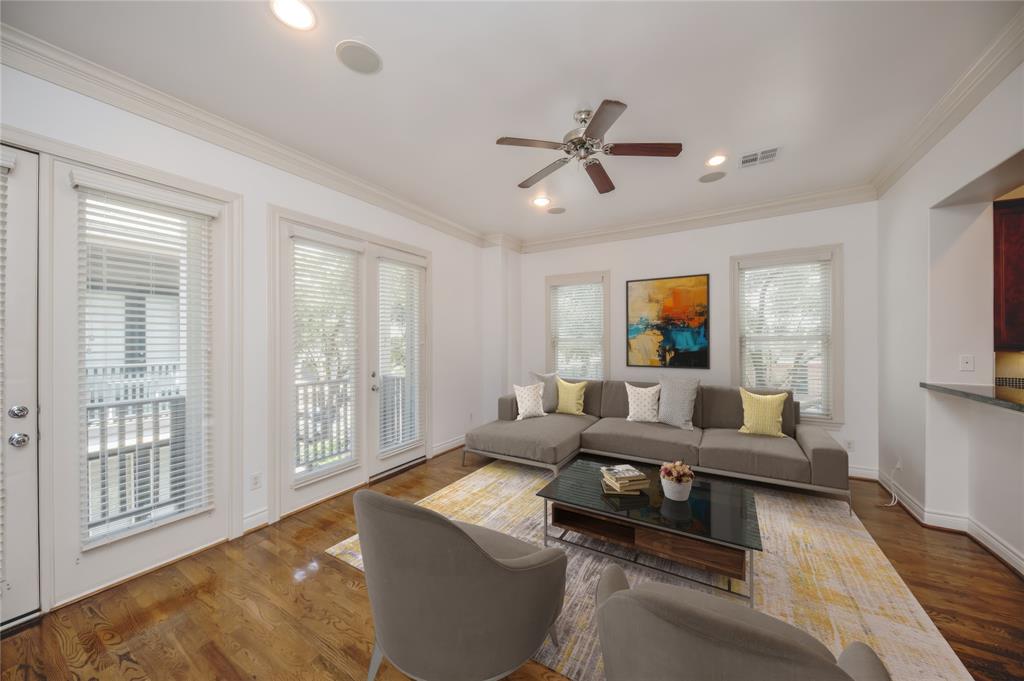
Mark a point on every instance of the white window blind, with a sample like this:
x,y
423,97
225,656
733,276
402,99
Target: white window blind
x,y
325,318
400,337
785,331
578,329
144,363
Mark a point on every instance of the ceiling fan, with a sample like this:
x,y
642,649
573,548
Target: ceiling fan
x,y
584,142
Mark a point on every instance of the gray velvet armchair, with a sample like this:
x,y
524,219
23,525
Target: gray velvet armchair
x,y
658,632
453,601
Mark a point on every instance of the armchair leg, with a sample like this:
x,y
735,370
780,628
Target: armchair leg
x,y
378,656
463,456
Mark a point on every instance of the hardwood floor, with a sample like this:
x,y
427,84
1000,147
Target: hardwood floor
x,y
272,605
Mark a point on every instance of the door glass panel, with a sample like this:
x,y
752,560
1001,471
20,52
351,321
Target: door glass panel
x,y
400,341
326,352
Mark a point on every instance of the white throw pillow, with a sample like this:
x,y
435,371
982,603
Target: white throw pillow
x,y
678,396
530,400
643,403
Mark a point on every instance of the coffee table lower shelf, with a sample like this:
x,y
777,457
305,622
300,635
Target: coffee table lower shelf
x,y
706,555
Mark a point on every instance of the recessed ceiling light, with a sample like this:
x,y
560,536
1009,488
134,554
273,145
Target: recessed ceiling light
x,y
716,160
712,177
294,13
556,211
541,201
358,56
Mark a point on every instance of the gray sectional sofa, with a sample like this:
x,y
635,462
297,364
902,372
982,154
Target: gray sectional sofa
x,y
807,458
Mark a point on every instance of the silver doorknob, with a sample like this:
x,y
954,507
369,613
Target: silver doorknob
x,y
18,439
374,388
18,411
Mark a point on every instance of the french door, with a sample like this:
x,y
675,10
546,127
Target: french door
x,y
19,482
352,329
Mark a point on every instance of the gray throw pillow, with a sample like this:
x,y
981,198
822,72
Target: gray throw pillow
x,y
550,398
678,396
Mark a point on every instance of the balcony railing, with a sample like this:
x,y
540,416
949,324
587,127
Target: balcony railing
x,y
135,435
323,424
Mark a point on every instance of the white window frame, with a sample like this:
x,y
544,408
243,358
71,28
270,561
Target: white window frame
x,y
602,277
796,256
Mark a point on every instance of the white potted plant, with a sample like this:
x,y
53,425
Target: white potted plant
x,y
676,480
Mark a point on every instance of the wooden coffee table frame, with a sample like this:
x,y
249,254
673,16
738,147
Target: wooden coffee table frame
x,y
702,553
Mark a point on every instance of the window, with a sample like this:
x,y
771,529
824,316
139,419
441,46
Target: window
x,y
325,315
788,327
144,362
400,341
578,325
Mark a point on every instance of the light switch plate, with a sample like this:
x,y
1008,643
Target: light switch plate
x,y
966,362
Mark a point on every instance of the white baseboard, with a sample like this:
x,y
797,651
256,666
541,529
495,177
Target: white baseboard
x,y
949,521
913,506
442,447
864,472
997,545
254,519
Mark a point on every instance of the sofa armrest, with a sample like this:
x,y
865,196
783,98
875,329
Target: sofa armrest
x,y
508,408
830,465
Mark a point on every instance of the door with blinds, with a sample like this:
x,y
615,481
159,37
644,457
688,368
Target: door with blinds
x,y
351,330
397,337
19,483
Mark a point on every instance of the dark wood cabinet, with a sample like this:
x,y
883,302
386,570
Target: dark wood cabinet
x,y
1009,274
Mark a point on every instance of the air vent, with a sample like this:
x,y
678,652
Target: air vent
x,y
756,158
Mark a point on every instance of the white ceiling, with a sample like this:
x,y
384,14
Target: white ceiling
x,y
837,85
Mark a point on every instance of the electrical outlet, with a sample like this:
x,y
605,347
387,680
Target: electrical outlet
x,y
899,464
849,445
966,362
255,481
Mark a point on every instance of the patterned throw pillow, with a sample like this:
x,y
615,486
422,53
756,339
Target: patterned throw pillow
x,y
570,397
530,400
678,396
550,382
762,414
643,403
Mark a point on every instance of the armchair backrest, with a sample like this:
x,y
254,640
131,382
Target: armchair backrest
x,y
443,608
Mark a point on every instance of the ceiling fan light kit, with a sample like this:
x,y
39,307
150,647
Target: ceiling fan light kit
x,y
586,141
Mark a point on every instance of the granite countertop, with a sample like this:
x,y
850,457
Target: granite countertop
x,y
997,396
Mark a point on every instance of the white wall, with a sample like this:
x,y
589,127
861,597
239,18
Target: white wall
x,y
709,250
991,133
46,109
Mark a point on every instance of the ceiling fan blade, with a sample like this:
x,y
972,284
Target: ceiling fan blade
x,y
599,176
542,173
645,149
606,114
522,142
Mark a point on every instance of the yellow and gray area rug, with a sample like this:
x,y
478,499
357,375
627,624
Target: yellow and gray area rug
x,y
820,570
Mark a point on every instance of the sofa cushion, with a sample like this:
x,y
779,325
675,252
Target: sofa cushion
x,y
645,440
722,407
772,457
591,396
550,439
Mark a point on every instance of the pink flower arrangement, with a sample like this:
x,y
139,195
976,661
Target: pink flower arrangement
x,y
677,471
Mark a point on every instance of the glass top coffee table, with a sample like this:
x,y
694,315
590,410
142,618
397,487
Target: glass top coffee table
x,y
715,531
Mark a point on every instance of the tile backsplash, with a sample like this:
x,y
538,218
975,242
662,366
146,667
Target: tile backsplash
x,y
1010,365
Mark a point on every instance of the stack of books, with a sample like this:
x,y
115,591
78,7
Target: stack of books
x,y
623,479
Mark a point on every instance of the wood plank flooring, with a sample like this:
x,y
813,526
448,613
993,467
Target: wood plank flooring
x,y
272,605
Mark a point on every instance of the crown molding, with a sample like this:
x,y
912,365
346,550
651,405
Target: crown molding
x,y
1001,57
502,240
799,203
27,53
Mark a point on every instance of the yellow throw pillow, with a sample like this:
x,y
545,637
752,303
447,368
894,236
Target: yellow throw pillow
x,y
762,414
570,397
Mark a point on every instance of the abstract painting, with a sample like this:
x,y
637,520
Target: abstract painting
x,y
667,322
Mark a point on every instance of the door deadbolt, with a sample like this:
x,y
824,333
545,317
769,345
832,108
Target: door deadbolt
x,y
18,411
18,439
